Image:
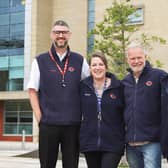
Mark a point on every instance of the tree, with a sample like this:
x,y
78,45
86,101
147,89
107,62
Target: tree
x,y
113,34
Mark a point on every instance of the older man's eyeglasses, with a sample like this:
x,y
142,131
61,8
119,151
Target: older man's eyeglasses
x,y
57,32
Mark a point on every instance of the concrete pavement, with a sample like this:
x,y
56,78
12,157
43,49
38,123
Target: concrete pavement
x,y
15,162
9,152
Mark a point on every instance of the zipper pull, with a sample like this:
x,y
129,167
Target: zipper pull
x,y
99,116
82,118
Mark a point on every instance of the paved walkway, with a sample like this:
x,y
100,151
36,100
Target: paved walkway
x,y
9,151
15,162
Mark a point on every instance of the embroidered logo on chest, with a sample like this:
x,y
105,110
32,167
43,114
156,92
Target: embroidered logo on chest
x,y
87,94
149,83
71,69
113,96
52,70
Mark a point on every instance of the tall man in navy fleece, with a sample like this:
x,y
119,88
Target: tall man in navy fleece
x,y
142,110
54,96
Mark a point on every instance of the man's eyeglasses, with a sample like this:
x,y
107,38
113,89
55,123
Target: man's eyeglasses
x,y
60,32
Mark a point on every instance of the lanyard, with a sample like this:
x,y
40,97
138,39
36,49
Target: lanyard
x,y
99,98
104,87
62,72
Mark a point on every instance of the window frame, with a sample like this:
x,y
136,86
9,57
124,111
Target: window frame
x,y
136,22
18,123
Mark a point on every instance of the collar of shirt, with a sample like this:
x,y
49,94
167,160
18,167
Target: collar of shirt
x,y
61,57
136,79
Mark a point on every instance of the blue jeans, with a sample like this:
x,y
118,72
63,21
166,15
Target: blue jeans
x,y
144,156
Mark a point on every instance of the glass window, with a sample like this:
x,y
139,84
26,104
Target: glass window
x,y
25,117
4,80
4,4
3,52
18,117
91,23
16,51
15,84
11,72
4,10
4,19
17,5
4,35
14,43
4,62
16,73
11,117
17,32
16,61
12,17
91,4
10,106
17,18
12,52
11,80
137,16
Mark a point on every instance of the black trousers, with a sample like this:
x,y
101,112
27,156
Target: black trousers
x,y
50,137
100,159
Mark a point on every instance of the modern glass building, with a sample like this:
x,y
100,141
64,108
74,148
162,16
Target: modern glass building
x,y
17,114
12,16
25,32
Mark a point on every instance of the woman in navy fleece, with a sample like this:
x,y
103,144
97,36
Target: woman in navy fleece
x,y
102,125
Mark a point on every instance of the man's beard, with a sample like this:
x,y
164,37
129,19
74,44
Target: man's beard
x,y
60,46
137,69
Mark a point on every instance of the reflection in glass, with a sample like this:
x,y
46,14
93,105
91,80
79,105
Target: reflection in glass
x,y
12,16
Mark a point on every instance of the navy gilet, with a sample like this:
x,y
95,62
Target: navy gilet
x,y
59,105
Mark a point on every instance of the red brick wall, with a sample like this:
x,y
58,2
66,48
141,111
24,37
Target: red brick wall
x,y
1,119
